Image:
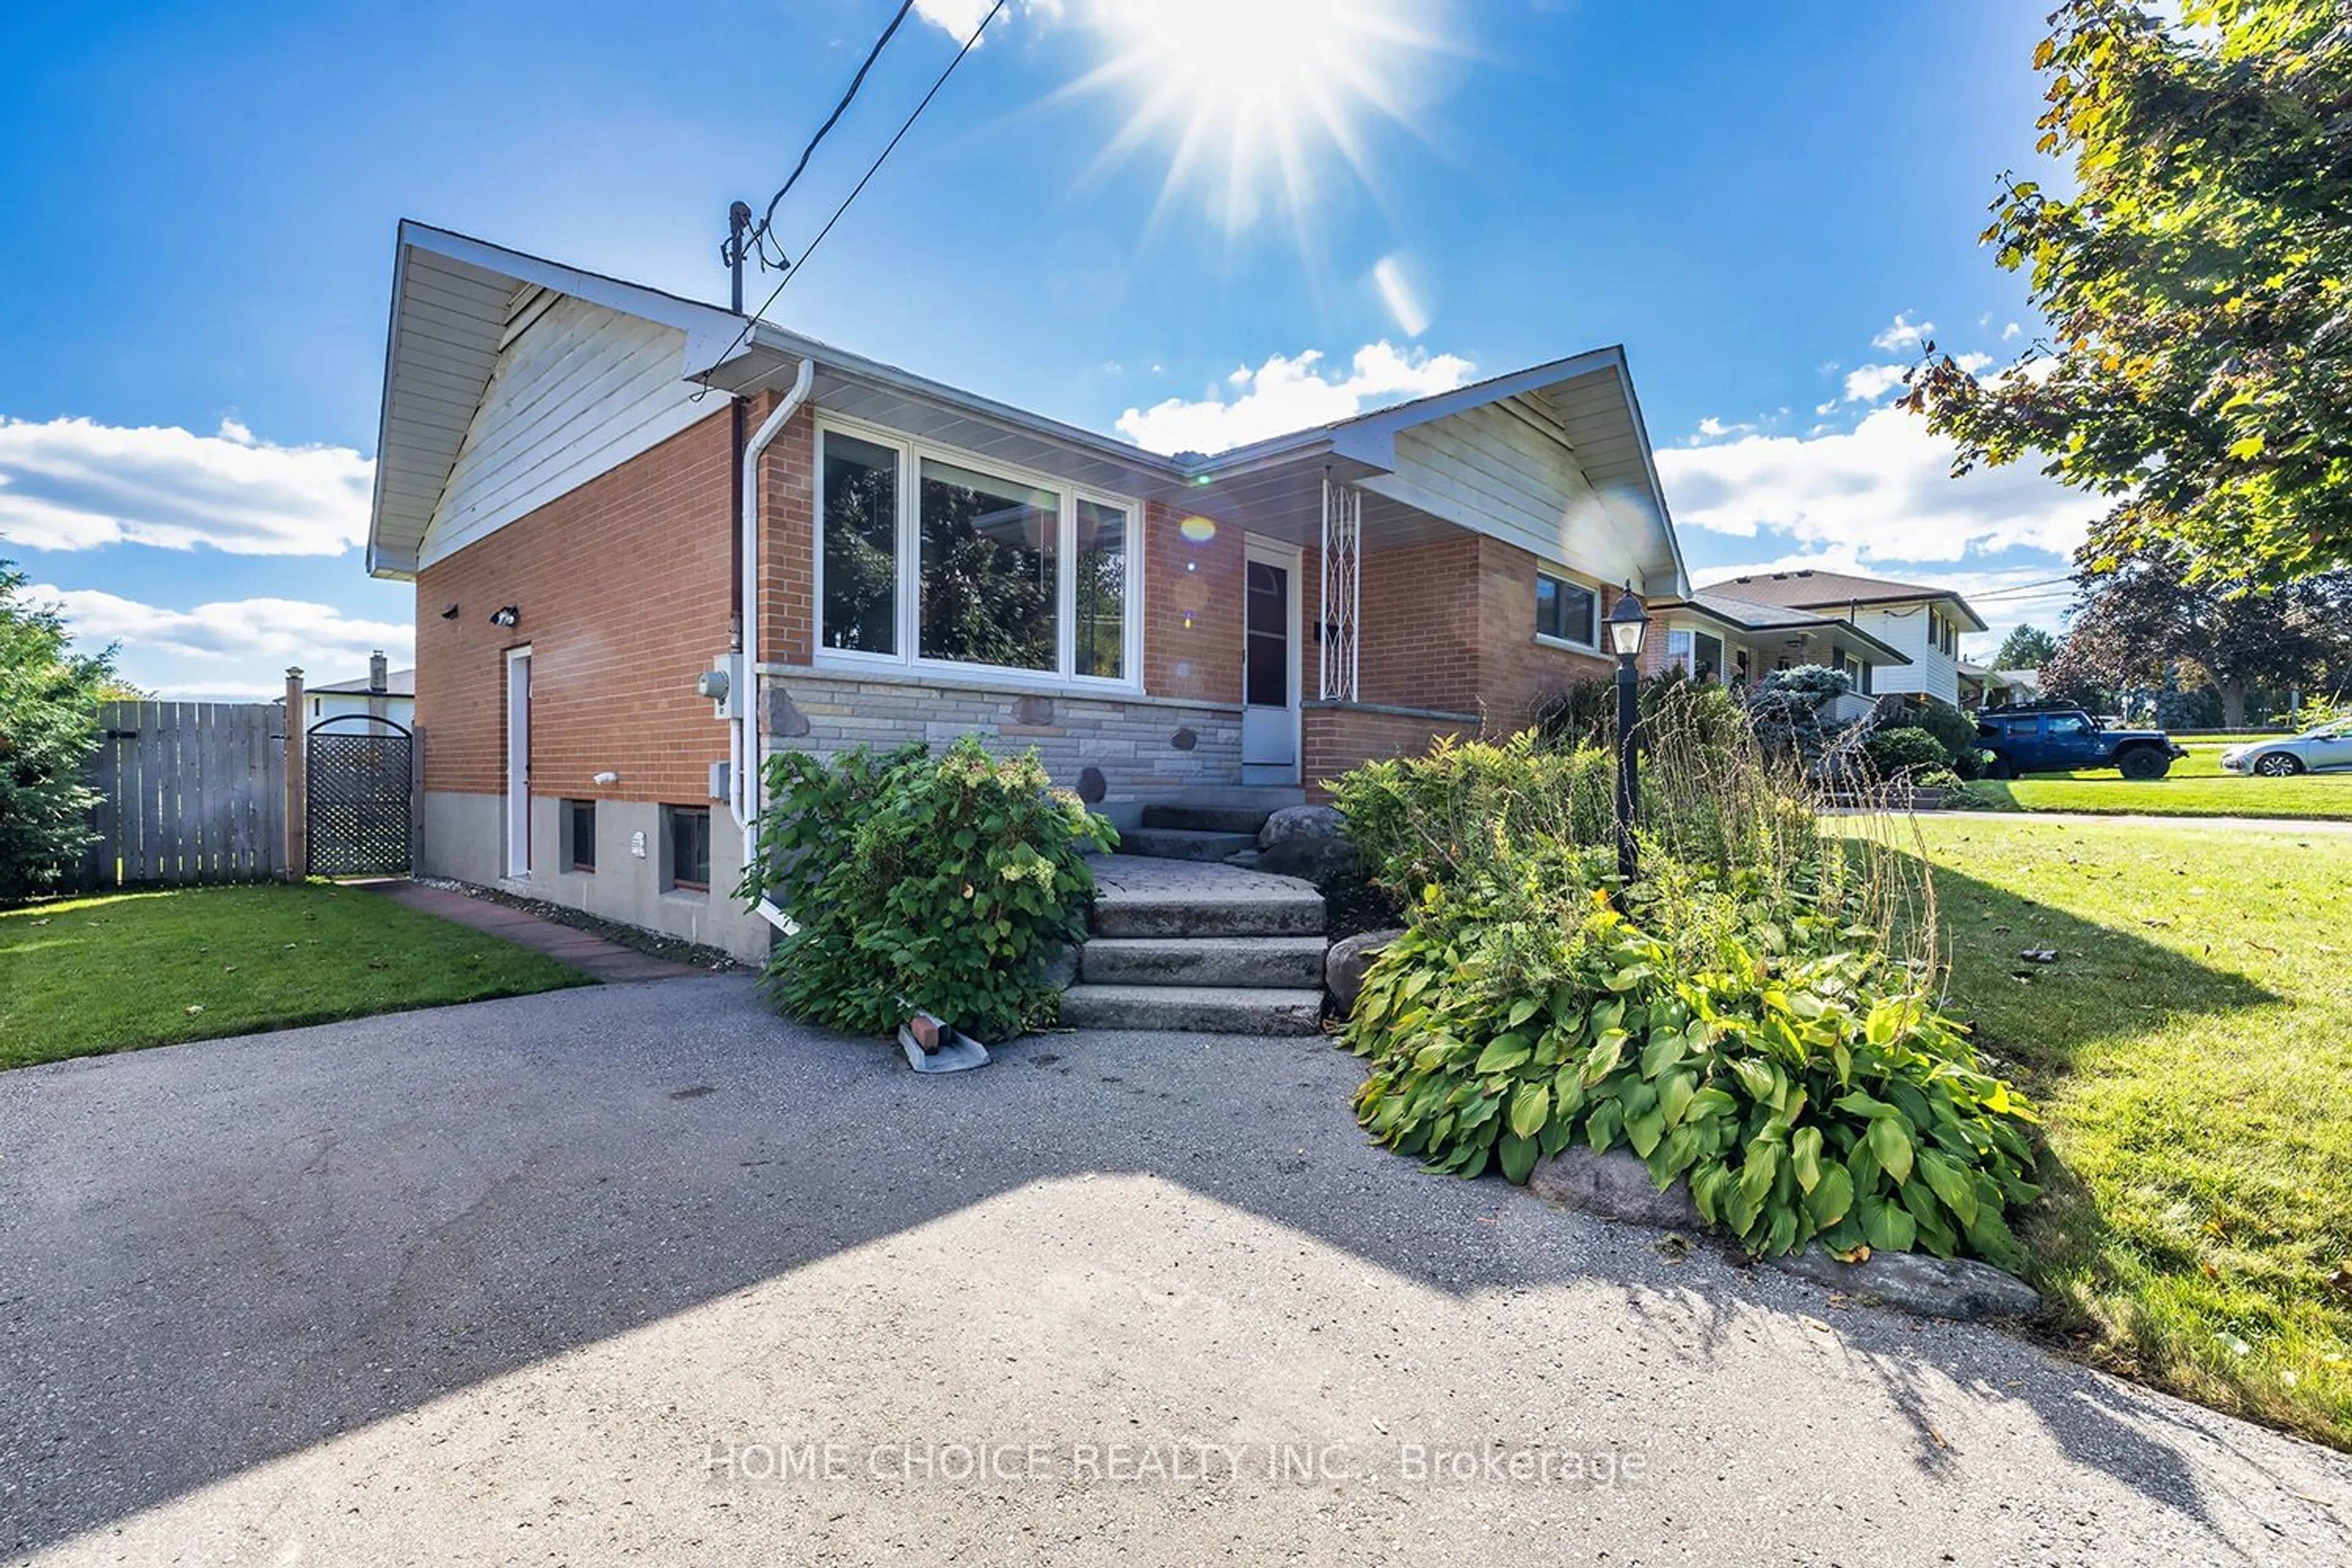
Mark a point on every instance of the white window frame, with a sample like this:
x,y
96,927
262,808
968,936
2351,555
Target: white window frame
x,y
911,451
1575,580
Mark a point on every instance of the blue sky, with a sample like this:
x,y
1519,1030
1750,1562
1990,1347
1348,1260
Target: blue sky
x,y
200,201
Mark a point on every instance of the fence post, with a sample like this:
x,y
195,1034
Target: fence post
x,y
297,782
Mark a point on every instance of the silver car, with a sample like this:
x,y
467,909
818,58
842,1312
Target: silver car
x,y
2314,751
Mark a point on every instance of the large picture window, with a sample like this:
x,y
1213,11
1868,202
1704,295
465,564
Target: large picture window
x,y
860,521
1568,612
989,584
1101,592
929,559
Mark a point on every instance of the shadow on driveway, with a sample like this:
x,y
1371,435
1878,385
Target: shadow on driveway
x,y
373,1277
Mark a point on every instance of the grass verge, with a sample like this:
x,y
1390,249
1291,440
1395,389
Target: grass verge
x,y
86,976
2196,787
2191,1051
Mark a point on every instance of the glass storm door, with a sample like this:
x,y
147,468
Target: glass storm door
x,y
1270,666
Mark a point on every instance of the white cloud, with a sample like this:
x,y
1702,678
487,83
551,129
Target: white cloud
x,y
1881,490
2010,331
1713,429
1287,394
1903,333
240,641
74,484
1869,383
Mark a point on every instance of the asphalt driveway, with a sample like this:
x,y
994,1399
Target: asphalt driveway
x,y
639,1273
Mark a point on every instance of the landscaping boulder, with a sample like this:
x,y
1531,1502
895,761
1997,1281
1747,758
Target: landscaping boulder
x,y
1615,1185
1344,964
1920,1282
1300,822
1321,861
1062,967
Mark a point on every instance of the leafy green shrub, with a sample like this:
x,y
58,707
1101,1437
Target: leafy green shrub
x,y
1429,819
1956,732
1903,754
1801,1080
1585,714
49,717
942,887
1784,711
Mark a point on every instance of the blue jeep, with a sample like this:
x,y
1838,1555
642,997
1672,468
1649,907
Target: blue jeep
x,y
2057,740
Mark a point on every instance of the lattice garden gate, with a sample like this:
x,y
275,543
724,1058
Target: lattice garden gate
x,y
361,796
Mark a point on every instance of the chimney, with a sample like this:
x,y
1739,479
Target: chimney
x,y
379,672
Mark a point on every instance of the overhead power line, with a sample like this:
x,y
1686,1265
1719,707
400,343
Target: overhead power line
x,y
792,266
757,237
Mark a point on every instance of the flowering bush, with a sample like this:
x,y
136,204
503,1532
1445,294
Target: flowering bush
x,y
943,887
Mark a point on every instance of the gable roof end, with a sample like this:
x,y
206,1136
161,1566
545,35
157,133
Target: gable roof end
x,y
453,301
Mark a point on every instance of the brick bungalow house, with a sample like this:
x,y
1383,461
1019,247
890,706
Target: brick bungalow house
x,y
652,540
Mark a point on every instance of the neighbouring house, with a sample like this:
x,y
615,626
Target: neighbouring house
x,y
1713,635
653,539
1921,627
382,693
2019,687
1981,687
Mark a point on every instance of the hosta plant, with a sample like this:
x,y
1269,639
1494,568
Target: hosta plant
x,y
1803,1083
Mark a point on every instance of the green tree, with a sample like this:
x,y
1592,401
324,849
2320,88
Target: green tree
x,y
2025,647
2198,285
49,712
2139,622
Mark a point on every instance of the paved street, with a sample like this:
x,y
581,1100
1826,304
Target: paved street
x,y
638,1273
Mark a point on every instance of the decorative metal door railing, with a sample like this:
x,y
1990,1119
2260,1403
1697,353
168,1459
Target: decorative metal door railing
x,y
1343,588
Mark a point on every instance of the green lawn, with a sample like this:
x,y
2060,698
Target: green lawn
x,y
2196,787
83,976
2191,1051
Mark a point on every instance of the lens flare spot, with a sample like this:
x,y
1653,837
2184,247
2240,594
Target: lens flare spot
x,y
1197,529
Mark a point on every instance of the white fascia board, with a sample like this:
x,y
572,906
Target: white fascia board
x,y
841,362
1650,467
382,563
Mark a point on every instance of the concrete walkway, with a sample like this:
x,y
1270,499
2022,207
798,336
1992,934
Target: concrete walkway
x,y
584,951
641,1274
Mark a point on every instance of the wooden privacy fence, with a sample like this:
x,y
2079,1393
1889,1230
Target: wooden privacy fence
x,y
188,792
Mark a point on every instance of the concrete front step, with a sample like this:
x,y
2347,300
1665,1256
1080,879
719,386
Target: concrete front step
x,y
1206,818
1135,896
1183,843
1249,962
1268,798
1200,1009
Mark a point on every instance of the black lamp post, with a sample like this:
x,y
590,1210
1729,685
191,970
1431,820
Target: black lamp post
x,y
1628,624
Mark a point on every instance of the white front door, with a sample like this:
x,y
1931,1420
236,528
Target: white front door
x,y
1270,663
517,792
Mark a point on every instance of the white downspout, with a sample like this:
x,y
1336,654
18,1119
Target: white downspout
x,y
747,781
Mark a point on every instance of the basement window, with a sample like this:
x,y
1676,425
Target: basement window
x,y
686,844
580,835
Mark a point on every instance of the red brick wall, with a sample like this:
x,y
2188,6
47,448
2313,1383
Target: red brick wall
x,y
1452,626
1338,739
787,532
1193,607
622,589
1517,673
1419,639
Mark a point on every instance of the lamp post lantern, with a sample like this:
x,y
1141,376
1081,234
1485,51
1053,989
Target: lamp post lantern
x,y
1628,624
